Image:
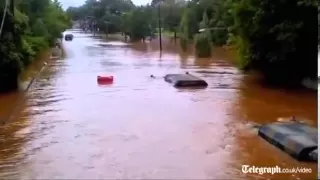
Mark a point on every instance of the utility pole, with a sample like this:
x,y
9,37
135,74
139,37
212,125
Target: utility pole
x,y
160,38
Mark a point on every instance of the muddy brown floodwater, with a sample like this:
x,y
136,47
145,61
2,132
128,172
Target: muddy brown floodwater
x,y
138,127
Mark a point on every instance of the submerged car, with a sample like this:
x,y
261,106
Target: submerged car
x,y
68,37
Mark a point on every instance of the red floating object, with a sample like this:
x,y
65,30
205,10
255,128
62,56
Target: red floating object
x,y
105,79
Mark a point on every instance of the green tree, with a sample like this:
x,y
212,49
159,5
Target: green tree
x,y
171,11
105,13
203,43
36,26
138,27
277,38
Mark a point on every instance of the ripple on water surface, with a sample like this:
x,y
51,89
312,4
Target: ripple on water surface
x,y
70,127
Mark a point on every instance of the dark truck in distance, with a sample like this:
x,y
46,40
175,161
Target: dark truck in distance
x,y
68,37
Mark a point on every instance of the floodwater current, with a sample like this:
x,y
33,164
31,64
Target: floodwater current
x,y
70,127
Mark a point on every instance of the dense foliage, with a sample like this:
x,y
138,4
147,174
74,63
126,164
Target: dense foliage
x,y
276,38
34,26
138,22
107,15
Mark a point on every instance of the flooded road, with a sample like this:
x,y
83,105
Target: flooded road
x,y
69,127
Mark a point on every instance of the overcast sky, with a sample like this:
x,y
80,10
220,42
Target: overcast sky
x,y
68,3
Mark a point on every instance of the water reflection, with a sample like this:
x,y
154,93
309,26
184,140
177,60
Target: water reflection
x,y
270,108
13,142
140,47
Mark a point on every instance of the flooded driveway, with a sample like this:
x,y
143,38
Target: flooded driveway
x,y
69,127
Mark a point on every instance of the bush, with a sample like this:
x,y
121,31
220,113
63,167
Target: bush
x,y
203,44
276,39
33,32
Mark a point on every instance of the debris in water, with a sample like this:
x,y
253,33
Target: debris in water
x,y
291,119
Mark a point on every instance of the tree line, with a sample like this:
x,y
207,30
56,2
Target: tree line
x,y
275,37
29,27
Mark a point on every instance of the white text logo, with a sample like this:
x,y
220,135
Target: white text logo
x,y
273,170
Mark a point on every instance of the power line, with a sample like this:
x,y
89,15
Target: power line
x,y
4,16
